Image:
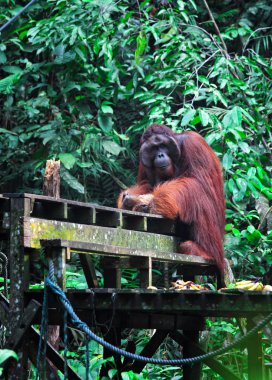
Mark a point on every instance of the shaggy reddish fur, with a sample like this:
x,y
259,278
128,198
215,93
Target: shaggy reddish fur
x,y
194,195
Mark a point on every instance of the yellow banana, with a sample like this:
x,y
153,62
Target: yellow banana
x,y
257,286
244,282
245,285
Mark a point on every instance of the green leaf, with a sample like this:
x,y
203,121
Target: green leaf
x,y
236,232
227,161
203,79
7,354
231,185
244,146
105,122
7,83
242,184
112,147
3,130
217,95
251,229
3,58
141,44
105,108
67,159
188,116
251,173
72,181
204,117
233,118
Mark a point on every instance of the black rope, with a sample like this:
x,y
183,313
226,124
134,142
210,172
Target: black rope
x,y
43,338
17,15
87,357
4,270
84,327
65,343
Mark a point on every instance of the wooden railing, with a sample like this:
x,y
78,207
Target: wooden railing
x,y
125,239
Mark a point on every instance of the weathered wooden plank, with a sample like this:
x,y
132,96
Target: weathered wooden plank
x,y
200,303
47,207
19,207
27,320
36,229
113,250
55,358
89,270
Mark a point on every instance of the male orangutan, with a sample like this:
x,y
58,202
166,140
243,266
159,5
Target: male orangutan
x,y
180,177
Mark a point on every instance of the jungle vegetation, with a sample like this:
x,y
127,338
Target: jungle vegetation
x,y
81,79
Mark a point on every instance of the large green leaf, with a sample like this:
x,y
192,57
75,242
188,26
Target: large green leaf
x,y
72,181
7,83
7,354
67,159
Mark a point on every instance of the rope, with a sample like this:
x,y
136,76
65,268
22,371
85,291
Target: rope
x,y
4,270
65,342
87,358
83,327
43,336
17,15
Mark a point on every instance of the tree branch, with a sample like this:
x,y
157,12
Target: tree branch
x,y
225,50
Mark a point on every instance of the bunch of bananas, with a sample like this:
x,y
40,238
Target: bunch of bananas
x,y
249,285
186,285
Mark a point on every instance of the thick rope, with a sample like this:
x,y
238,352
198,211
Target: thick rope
x,y
83,327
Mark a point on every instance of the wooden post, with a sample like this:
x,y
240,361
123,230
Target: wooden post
x,y
59,255
51,188
112,279
191,372
112,272
51,184
19,207
255,354
144,264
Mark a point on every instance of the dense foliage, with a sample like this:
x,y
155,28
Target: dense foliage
x,y
81,79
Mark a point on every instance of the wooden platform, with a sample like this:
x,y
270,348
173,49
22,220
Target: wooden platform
x,y
125,240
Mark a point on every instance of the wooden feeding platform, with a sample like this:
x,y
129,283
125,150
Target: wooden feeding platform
x,y
124,239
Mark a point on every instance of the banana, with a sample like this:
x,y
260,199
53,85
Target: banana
x,y
257,286
245,285
244,282
249,285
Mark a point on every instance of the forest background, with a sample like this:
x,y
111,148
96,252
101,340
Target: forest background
x,y
81,79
